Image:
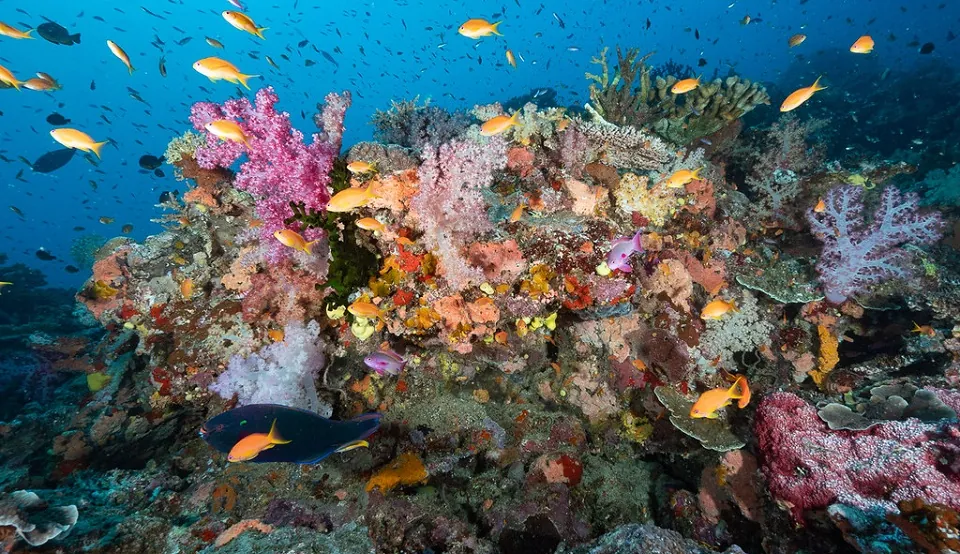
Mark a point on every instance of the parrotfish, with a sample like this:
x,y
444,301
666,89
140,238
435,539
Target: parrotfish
x,y
621,250
385,362
311,437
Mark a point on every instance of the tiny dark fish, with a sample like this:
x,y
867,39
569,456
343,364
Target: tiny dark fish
x,y
45,256
168,197
159,173
701,62
150,162
17,211
308,63
54,160
312,437
57,34
926,48
163,66
183,41
303,43
93,85
72,269
126,229
57,119
78,229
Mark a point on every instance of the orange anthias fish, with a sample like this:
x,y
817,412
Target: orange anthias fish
x,y
294,240
72,138
796,40
517,213
682,177
709,402
800,96
924,330
350,199
359,167
7,77
510,59
370,224
820,207
685,86
217,69
8,31
864,45
41,85
479,28
362,308
499,124
121,55
251,446
243,22
224,129
717,309
276,335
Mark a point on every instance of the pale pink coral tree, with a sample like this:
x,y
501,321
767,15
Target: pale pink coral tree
x,y
449,206
856,255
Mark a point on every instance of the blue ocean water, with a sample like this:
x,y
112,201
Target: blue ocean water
x,y
381,51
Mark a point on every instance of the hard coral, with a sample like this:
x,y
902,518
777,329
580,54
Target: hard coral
x,y
810,467
856,256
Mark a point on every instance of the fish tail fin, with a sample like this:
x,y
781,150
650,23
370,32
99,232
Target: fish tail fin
x,y
259,32
27,33
495,28
97,146
131,69
733,306
368,194
274,435
916,328
515,118
246,142
816,84
75,38
308,247
16,84
696,172
243,79
735,392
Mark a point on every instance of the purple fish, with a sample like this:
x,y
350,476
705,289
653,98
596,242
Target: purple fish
x,y
385,362
621,250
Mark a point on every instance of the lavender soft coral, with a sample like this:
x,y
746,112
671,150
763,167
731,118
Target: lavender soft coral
x,y
856,256
280,168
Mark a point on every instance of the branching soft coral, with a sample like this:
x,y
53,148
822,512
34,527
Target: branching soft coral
x,y
449,206
856,256
280,168
280,373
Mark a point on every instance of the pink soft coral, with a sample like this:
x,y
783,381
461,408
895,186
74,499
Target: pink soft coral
x,y
449,207
856,256
280,168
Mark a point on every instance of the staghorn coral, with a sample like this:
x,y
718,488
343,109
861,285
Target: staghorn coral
x,y
631,95
856,256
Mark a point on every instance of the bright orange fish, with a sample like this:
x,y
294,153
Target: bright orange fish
x,y
517,213
250,446
359,167
682,177
350,199
924,330
370,224
9,31
709,402
227,130
510,59
718,308
186,288
217,69
479,28
72,138
820,207
362,308
800,96
499,124
243,22
864,45
294,240
685,86
7,77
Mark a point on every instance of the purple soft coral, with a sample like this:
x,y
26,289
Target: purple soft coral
x,y
856,256
280,168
